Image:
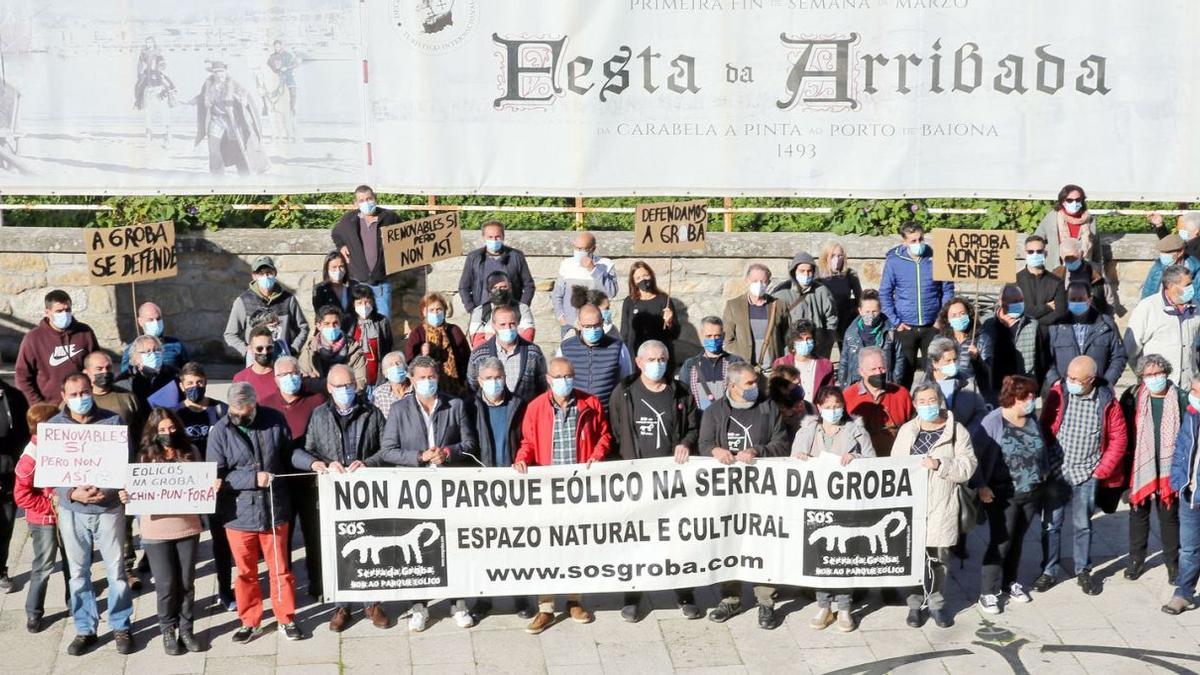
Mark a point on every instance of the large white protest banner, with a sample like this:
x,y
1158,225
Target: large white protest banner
x,y
171,488
81,454
407,534
862,98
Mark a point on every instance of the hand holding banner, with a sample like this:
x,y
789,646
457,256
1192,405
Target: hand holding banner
x,y
81,454
171,488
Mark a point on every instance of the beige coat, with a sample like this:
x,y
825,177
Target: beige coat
x,y
312,365
957,466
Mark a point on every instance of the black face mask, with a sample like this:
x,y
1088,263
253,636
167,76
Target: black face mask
x,y
877,381
645,285
264,359
241,420
501,297
194,394
102,380
165,440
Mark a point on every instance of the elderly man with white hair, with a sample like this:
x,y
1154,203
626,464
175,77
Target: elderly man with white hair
x,y
396,384
583,269
150,379
150,322
1082,415
251,445
1167,324
1187,226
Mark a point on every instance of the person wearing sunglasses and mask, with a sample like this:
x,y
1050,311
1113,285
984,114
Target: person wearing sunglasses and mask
x,y
944,447
1167,324
1044,292
265,293
1085,331
1170,252
1076,268
1069,218
1083,417
261,371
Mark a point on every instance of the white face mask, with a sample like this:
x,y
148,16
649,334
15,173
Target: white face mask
x,y
758,289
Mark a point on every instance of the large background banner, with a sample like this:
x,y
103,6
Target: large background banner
x,y
721,97
409,534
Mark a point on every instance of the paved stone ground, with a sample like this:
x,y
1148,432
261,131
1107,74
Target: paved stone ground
x,y
1057,633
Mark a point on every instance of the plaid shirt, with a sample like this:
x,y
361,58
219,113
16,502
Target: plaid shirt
x,y
1079,437
563,448
383,397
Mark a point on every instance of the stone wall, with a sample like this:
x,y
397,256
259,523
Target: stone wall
x,y
215,267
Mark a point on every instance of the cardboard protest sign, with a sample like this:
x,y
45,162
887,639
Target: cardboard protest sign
x,y
420,242
171,488
667,227
974,255
81,454
126,254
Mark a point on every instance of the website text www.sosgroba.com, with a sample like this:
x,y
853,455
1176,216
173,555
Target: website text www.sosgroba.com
x,y
621,571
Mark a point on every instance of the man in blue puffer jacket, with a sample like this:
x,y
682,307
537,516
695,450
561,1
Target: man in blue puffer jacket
x,y
1185,469
910,297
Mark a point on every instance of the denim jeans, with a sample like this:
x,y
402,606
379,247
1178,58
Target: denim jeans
x,y
1056,494
383,298
1083,505
1189,549
46,545
106,532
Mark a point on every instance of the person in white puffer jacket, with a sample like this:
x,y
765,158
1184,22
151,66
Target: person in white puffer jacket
x,y
1167,324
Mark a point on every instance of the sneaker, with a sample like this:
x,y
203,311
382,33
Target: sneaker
x,y
845,621
1017,593
578,613
1174,607
723,612
82,644
1044,583
416,621
6,584
824,619
690,610
124,641
629,614
540,623
1087,583
463,618
989,604
246,634
291,631
767,620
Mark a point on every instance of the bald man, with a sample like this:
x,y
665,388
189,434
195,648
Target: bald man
x,y
1083,418
600,360
584,269
150,322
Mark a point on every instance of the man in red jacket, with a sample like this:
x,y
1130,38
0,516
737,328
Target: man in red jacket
x,y
562,426
54,349
1087,423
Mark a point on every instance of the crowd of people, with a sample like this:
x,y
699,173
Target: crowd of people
x,y
919,371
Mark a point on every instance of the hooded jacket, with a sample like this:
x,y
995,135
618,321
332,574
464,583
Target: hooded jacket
x,y
815,303
907,292
293,327
47,356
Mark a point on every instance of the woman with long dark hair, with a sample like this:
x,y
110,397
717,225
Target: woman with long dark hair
x,y
647,313
334,287
171,541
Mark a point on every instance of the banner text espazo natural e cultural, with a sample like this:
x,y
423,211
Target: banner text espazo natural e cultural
x,y
406,534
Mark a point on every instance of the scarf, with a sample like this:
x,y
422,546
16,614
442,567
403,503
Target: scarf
x,y
439,348
1085,236
871,336
1146,479
331,352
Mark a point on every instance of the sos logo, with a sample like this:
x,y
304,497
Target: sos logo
x,y
818,517
351,529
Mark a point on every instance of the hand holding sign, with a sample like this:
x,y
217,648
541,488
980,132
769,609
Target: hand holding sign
x,y
415,243
667,227
974,255
128,254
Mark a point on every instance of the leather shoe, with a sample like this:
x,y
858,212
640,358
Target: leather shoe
x,y
540,623
1087,583
914,619
578,613
340,619
378,617
767,620
1134,570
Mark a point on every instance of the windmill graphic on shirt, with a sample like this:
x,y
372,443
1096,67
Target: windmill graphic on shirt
x,y
646,425
739,441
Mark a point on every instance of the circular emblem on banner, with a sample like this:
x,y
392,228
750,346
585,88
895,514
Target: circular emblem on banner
x,y
435,25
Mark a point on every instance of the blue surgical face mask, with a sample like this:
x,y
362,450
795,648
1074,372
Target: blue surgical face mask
x,y
61,320
395,374
1186,295
1028,407
1077,308
803,347
80,405
507,335
1167,259
713,345
592,334
331,333
343,396
950,369
606,315
804,279
928,413
289,384
1074,388
153,328
1156,383
580,255
367,207
915,250
152,360
960,323
1035,260
266,282
562,386
1073,207
655,370
1015,309
435,319
832,415
427,388
494,245
750,395
493,387
1194,401
1074,265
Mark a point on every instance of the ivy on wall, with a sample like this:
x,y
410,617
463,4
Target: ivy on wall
x,y
848,216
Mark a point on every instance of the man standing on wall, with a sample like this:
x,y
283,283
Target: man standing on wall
x,y
357,236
